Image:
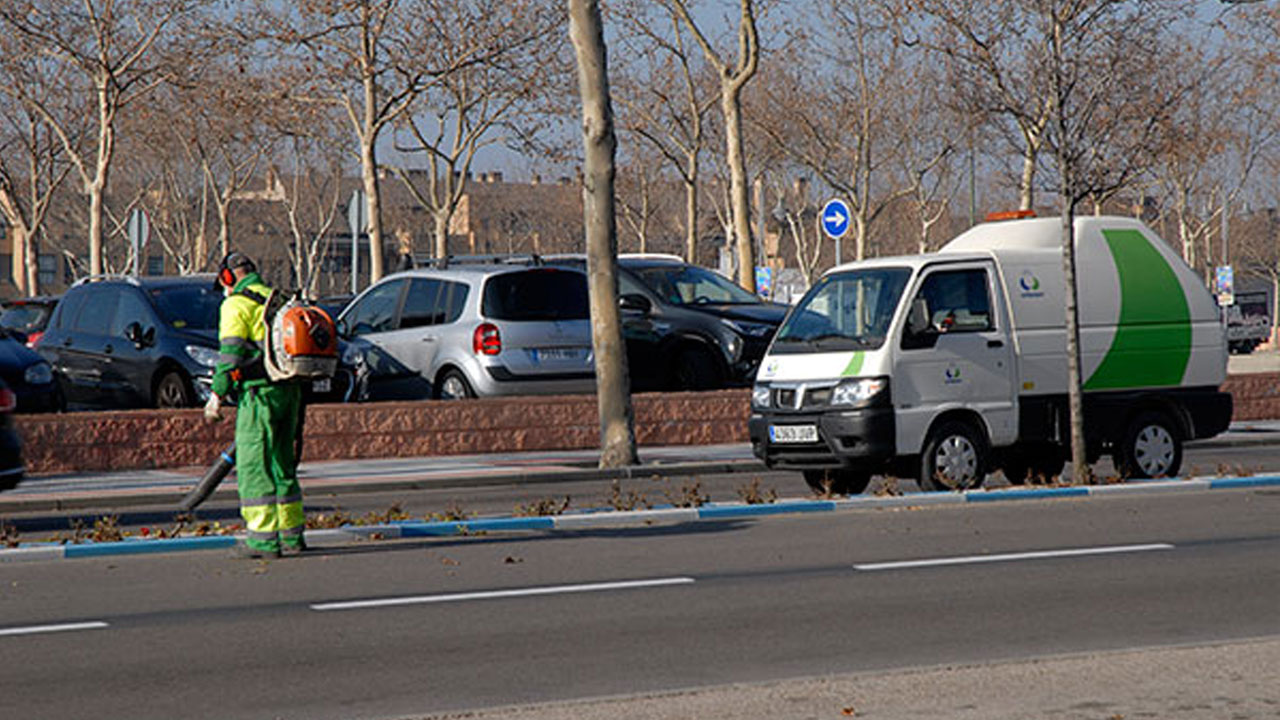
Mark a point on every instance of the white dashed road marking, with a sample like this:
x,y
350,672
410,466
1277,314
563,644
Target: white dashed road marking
x,y
495,594
1009,557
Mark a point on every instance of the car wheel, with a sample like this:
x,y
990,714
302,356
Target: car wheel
x,y
954,458
173,391
1152,447
695,369
453,385
837,482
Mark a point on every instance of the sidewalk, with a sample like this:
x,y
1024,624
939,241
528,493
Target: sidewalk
x,y
166,487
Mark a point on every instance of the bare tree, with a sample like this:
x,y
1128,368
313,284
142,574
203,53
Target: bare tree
x,y
32,169
110,45
734,76
617,419
1095,74
666,101
851,145
470,108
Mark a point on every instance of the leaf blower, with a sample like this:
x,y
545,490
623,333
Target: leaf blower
x,y
213,477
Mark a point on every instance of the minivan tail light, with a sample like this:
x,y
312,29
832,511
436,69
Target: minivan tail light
x,y
34,339
8,400
486,340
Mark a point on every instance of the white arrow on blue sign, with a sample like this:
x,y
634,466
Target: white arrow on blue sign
x,y
835,218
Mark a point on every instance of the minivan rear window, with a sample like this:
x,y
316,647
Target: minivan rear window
x,y
537,294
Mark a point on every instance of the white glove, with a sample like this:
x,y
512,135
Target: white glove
x,y
212,407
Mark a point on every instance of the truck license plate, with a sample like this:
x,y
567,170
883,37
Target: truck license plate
x,y
793,433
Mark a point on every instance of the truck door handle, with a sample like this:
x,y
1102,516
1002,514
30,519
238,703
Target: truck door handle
x,y
109,349
995,343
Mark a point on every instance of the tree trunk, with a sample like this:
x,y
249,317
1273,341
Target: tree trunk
x,y
95,227
739,193
442,232
369,175
1075,401
1026,185
18,250
691,213
617,421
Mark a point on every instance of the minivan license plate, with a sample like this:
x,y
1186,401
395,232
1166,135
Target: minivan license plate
x,y
554,354
793,433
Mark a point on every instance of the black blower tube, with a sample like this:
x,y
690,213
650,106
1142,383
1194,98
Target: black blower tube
x,y
213,477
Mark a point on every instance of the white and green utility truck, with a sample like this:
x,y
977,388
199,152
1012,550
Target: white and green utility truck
x,y
947,365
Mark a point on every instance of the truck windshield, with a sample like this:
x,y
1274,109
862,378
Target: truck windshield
x,y
846,311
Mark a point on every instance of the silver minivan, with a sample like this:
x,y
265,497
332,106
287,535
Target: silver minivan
x,y
471,330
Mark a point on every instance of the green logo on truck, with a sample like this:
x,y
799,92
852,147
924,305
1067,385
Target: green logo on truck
x,y
1152,344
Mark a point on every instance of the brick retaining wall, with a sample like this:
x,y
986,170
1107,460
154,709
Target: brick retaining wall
x,y
148,439
145,439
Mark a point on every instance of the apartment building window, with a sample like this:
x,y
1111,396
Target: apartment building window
x,y
48,267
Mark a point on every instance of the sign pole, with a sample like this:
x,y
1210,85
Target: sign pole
x,y
356,217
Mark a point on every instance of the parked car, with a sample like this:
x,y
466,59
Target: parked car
x,y
123,342
27,375
687,327
28,316
11,466
475,328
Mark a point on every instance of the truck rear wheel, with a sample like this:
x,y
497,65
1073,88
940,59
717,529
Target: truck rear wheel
x,y
1151,448
837,482
954,458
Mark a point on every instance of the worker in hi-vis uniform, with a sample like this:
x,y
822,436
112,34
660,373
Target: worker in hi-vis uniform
x,y
267,417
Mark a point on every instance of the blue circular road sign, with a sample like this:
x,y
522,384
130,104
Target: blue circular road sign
x,y
835,218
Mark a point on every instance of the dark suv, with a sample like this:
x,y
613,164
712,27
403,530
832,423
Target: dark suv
x,y
135,341
687,327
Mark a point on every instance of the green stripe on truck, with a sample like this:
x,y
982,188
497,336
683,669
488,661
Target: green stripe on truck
x,y
1152,344
855,364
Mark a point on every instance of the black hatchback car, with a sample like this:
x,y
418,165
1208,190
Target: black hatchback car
x,y
127,342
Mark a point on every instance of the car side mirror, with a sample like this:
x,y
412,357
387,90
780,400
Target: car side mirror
x,y
133,331
920,333
635,302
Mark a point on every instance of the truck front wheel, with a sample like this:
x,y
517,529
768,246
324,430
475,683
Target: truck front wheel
x,y
1152,447
954,458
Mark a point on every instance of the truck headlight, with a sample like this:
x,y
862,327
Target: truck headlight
x,y
205,356
858,392
38,374
760,397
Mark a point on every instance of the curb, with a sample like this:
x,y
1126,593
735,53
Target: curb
x,y
12,504
590,519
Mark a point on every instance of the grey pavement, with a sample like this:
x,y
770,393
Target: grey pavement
x,y
1210,682
165,487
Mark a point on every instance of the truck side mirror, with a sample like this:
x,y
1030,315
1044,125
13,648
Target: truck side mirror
x,y
920,333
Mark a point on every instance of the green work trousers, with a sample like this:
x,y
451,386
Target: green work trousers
x,y
267,465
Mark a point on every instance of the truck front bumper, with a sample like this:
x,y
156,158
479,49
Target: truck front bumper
x,y
845,438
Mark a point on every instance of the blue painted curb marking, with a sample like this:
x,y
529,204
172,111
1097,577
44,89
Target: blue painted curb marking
x,y
460,527
142,547
732,511
1244,482
979,496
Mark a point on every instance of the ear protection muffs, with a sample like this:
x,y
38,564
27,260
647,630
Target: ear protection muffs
x,y
230,262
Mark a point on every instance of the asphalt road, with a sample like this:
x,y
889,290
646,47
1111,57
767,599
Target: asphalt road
x,y
476,622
